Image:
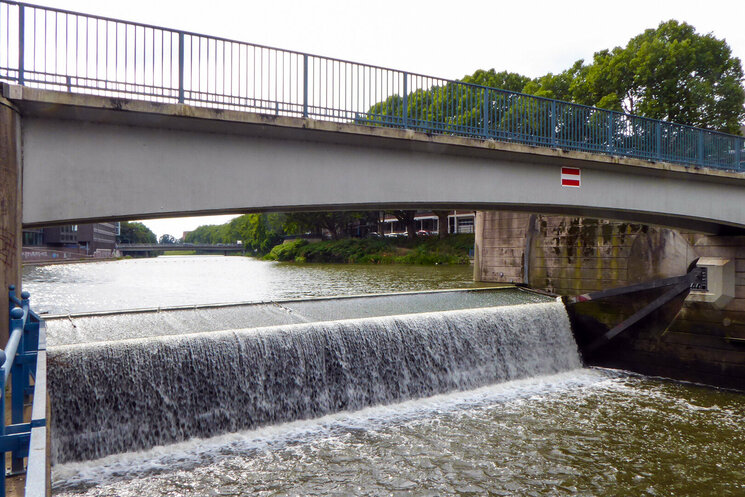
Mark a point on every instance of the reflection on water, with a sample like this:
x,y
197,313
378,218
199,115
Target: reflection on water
x,y
189,280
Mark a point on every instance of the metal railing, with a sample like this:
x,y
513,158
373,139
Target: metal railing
x,y
24,365
69,51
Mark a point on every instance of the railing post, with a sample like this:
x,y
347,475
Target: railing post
x,y
405,110
701,147
554,138
610,131
2,428
180,67
21,43
658,140
739,143
305,85
485,112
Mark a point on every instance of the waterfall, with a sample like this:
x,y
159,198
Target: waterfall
x,y
111,397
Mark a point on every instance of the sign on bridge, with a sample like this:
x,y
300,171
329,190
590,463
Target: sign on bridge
x,y
571,177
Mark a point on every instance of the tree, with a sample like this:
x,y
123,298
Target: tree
x,y
442,223
336,223
504,80
135,233
670,73
166,239
407,218
257,232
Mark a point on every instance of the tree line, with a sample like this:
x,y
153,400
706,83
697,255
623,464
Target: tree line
x,y
670,73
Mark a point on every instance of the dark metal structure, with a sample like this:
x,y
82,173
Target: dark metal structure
x,y
651,305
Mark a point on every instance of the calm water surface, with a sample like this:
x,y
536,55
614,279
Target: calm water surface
x,y
585,432
189,280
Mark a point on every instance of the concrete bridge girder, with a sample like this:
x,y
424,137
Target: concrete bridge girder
x,y
88,158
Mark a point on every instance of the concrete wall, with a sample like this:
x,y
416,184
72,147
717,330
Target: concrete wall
x,y
10,207
572,256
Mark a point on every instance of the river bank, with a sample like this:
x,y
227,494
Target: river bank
x,y
454,249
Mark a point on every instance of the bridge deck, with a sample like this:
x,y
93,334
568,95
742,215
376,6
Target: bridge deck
x,y
153,247
233,161
166,66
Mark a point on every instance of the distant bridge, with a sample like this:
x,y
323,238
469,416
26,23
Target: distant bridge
x,y
164,247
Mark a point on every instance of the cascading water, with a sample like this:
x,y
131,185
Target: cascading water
x,y
111,397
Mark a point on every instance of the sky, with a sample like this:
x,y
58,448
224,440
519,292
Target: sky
x,y
444,39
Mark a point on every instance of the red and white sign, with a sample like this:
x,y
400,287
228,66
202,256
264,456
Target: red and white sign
x,y
571,177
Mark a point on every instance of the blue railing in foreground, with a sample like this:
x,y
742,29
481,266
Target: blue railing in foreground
x,y
68,51
24,364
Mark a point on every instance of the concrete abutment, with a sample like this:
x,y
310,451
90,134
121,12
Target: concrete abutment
x,y
574,255
10,202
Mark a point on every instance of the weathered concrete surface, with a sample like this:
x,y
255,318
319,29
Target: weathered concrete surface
x,y
10,205
119,159
572,256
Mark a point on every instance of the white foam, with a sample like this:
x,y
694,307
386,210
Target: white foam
x,y
197,451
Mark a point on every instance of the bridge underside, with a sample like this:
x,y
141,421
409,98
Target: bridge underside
x,y
91,158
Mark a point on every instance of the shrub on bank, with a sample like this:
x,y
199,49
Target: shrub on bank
x,y
451,250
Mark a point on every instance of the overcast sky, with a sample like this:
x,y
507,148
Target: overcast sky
x,y
445,39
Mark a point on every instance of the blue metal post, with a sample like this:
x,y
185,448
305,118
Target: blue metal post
x,y
701,147
181,67
485,112
610,131
739,143
554,138
21,42
305,86
658,140
2,431
405,110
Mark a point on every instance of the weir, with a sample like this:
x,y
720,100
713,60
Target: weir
x,y
126,395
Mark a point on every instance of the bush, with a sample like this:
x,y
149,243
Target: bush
x,y
451,250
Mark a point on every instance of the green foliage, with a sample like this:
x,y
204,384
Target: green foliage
x,y
670,73
335,222
258,232
452,250
136,233
166,239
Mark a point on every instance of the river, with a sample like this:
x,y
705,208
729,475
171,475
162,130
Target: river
x,y
589,432
190,280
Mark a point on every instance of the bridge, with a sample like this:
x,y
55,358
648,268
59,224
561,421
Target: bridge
x,y
108,121
199,247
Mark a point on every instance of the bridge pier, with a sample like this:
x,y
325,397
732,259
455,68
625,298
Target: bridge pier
x,y
11,235
573,256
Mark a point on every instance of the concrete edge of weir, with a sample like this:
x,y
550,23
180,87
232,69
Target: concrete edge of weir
x,y
155,310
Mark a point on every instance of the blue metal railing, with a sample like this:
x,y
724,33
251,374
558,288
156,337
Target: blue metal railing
x,y
68,51
24,365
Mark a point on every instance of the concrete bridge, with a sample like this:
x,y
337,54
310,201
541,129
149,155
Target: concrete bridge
x,y
199,247
88,158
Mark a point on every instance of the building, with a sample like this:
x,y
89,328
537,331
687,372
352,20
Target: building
x,y
71,241
458,222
